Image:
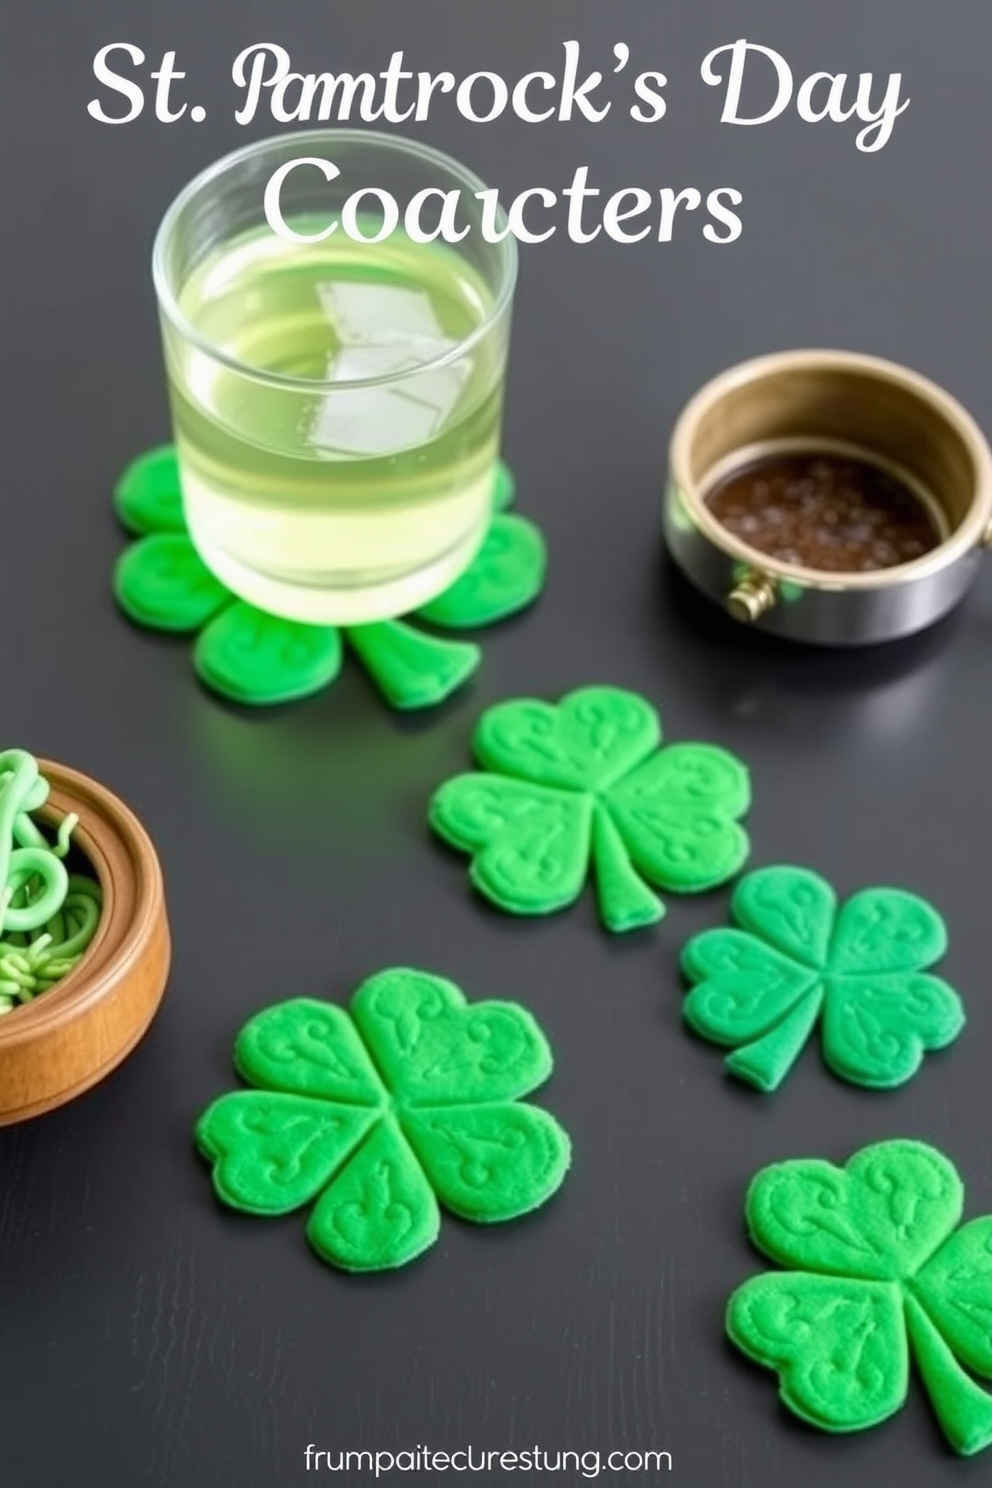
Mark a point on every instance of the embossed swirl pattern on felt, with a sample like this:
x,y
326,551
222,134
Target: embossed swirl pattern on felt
x,y
412,1099
796,958
881,1268
585,782
161,583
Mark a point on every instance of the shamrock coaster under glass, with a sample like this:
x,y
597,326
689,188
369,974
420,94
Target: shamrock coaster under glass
x,y
161,583
827,496
336,394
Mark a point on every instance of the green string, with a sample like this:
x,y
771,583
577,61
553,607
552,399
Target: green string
x,y
36,892
33,881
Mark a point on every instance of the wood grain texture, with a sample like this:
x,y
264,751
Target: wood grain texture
x,y
73,1035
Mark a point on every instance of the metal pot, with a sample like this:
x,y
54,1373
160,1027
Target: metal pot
x,y
843,403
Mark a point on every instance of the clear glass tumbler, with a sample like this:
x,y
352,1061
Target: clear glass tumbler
x,y
336,403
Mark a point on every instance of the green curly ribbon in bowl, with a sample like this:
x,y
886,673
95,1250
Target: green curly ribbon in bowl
x,y
47,916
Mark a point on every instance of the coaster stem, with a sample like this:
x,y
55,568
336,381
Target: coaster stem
x,y
410,669
962,1407
766,1062
625,901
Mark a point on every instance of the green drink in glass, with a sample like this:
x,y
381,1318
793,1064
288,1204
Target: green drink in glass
x,y
336,402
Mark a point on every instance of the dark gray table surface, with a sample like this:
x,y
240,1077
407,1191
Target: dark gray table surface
x,y
146,1335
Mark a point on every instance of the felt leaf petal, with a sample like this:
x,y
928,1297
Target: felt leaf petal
x,y
272,1153
506,575
955,1288
410,669
434,1047
677,814
679,851
148,497
839,1346
260,659
884,930
791,908
585,742
308,1048
686,779
490,1163
879,1217
504,487
744,986
877,1029
162,582
380,1211
530,844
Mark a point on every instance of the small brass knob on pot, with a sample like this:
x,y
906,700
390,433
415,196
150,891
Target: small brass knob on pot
x,y
751,597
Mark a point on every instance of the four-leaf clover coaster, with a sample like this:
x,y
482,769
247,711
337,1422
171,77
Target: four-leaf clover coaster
x,y
585,781
376,1116
878,1271
796,957
162,583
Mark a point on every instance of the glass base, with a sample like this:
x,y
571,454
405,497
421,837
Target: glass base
x,y
356,604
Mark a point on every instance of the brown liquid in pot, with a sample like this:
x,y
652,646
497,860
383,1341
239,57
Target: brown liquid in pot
x,y
830,512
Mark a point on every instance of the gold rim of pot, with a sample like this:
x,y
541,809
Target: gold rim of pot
x,y
973,530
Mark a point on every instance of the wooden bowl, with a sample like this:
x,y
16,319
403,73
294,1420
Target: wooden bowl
x,y
70,1037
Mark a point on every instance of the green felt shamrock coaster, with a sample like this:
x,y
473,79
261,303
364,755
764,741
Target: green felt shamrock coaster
x,y
377,1116
585,783
879,1270
161,583
797,958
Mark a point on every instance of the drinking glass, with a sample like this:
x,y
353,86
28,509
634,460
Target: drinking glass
x,y
336,403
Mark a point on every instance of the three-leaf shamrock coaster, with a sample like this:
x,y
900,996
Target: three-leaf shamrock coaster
x,y
161,583
376,1116
878,1271
586,782
796,958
